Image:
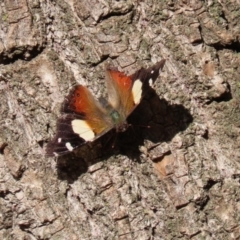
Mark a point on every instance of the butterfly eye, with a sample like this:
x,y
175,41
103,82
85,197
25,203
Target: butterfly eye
x,y
78,94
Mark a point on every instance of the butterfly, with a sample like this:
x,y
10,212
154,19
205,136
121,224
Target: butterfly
x,y
84,118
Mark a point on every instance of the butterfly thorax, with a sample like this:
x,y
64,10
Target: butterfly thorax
x,y
118,121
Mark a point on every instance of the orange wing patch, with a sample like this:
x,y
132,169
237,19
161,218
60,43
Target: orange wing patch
x,y
82,102
124,85
124,82
79,101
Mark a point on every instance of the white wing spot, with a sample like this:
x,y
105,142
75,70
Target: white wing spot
x,y
59,140
152,72
137,91
81,128
69,146
150,81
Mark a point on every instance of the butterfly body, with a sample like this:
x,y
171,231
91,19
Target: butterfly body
x,y
85,119
118,121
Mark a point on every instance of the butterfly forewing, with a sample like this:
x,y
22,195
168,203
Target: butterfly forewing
x,y
65,140
120,91
83,120
126,92
145,78
81,101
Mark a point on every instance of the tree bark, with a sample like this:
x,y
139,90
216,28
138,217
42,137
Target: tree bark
x,y
177,178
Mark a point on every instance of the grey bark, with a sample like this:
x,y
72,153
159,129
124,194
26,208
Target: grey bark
x,y
178,179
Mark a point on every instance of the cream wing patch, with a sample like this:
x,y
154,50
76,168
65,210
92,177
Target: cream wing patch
x,y
81,128
69,146
150,82
137,91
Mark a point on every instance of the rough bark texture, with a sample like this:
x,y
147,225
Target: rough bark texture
x,y
178,179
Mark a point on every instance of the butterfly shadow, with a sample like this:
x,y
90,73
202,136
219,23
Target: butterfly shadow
x,y
154,119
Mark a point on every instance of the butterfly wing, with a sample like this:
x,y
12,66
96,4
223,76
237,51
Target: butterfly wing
x,y
119,88
83,120
125,92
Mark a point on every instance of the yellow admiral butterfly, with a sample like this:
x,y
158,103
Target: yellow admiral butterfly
x,y
85,119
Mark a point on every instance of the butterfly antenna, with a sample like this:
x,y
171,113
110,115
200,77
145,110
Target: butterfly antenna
x,y
108,140
115,139
143,126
